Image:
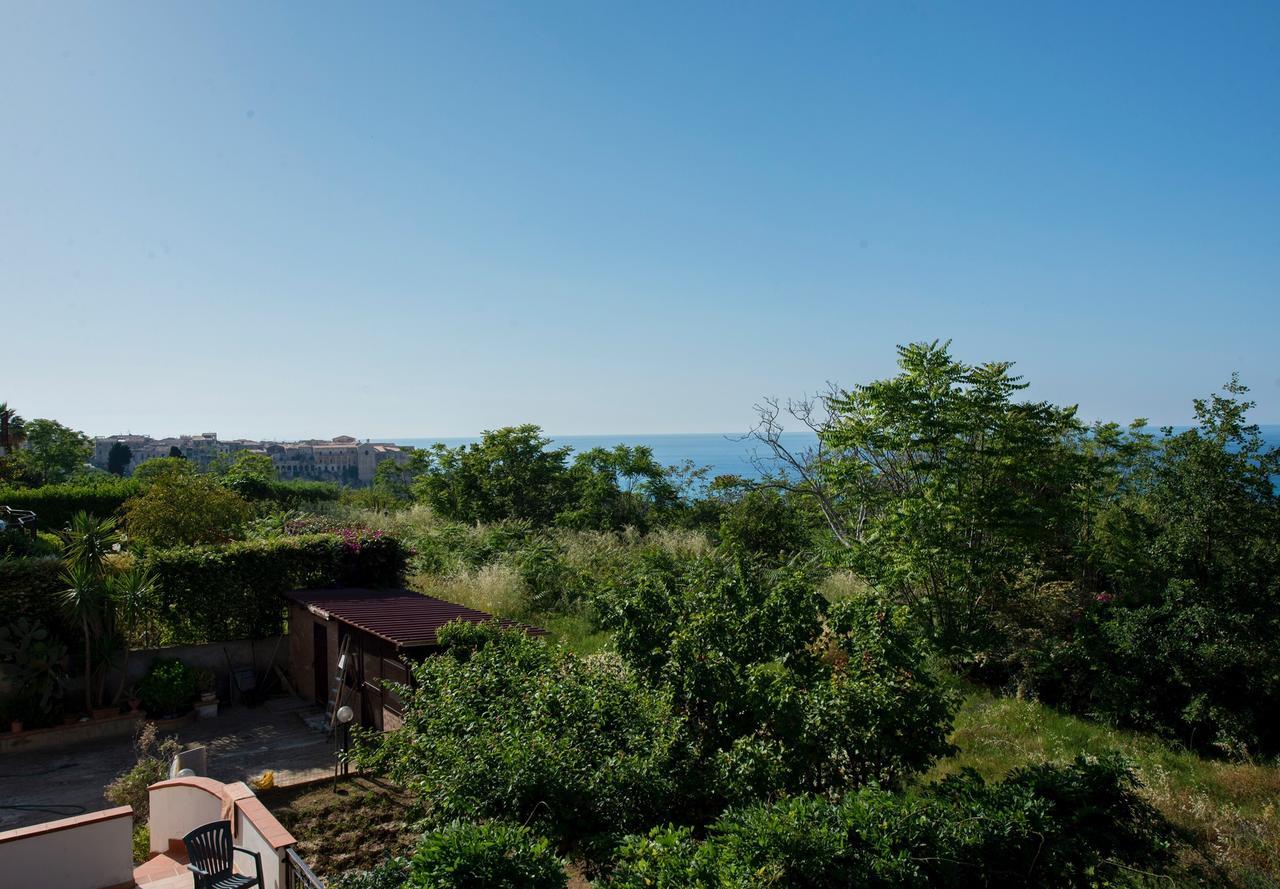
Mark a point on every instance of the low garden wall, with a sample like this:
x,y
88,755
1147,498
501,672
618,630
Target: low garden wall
x,y
90,851
219,657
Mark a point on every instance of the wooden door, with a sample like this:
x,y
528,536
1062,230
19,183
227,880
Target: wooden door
x,y
320,660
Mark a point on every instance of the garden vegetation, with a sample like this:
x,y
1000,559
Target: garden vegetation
x,y
760,682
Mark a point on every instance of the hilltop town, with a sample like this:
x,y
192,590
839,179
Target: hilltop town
x,y
341,459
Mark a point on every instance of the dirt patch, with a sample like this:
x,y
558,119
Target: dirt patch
x,y
358,827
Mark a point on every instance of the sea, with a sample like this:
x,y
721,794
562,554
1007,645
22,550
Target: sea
x,y
723,453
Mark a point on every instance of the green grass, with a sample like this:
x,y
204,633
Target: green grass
x,y
1225,811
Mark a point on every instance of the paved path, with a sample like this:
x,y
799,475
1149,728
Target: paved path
x,y
243,742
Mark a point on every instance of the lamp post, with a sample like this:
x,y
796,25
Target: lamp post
x,y
343,719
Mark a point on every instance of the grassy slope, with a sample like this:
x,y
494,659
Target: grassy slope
x,y
1228,811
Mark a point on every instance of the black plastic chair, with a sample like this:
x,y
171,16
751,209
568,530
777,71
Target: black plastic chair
x,y
211,857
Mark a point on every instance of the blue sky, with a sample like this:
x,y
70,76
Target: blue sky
x,y
429,219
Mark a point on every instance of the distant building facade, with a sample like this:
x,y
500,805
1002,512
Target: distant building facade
x,y
343,459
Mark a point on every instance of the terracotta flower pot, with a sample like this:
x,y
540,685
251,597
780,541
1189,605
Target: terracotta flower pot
x,y
16,726
134,704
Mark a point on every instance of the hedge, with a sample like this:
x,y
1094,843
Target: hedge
x,y
31,588
54,505
218,593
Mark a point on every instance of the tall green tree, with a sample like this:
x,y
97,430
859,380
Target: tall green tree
x,y
118,458
1181,636
250,475
12,429
619,487
941,486
54,450
511,473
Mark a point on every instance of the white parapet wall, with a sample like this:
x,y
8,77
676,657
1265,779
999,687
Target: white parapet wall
x,y
93,851
183,804
180,805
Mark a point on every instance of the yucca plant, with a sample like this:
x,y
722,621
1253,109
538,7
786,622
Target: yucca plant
x,y
88,596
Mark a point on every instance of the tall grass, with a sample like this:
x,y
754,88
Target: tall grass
x,y
1226,810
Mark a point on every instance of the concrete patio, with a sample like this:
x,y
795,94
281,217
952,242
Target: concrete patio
x,y
242,742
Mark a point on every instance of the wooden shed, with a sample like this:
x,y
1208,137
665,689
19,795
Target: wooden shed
x,y
381,630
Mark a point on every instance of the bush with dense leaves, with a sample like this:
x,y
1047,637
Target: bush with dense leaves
x,y
506,726
491,855
781,691
30,588
185,510
1077,825
54,505
216,593
168,688
1180,635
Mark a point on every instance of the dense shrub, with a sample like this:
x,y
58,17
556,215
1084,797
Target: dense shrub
x,y
1077,825
16,543
492,855
168,688
781,691
54,505
184,510
30,588
766,523
1177,633
507,726
211,594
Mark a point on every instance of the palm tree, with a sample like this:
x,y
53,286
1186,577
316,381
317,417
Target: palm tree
x,y
12,429
89,540
84,599
88,597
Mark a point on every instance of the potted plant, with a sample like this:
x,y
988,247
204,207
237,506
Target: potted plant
x,y
135,702
23,710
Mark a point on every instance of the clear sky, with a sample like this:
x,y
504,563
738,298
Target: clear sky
x,y
289,219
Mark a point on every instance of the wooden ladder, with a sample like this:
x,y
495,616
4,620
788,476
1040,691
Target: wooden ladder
x,y
339,683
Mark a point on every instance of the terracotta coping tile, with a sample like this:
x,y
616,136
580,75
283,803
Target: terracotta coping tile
x,y
35,830
272,830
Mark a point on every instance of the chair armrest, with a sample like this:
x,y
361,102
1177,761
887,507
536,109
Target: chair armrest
x,y
202,877
257,860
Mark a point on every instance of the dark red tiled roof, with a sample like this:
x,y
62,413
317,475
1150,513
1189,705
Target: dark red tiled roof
x,y
401,617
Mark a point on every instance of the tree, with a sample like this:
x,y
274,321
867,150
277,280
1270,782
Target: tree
x,y
12,429
88,542
502,725
1181,635
178,509
118,458
159,468
509,474
54,450
943,489
779,691
250,475
391,482
175,451
619,487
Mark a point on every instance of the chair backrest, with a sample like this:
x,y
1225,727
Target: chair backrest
x,y
209,848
